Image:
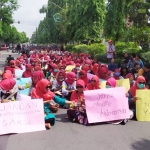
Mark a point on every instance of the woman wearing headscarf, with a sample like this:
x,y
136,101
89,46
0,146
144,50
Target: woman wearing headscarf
x,y
78,112
103,73
117,74
83,76
69,85
28,72
96,68
11,67
57,84
55,70
94,84
139,85
7,74
7,87
42,90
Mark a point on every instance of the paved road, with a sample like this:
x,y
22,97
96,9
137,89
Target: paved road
x,y
71,136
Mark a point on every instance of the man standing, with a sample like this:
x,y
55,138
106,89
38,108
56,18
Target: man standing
x,y
110,50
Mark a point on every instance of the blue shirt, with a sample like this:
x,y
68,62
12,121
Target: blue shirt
x,y
112,67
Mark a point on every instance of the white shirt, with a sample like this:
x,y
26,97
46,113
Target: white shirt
x,y
110,48
55,85
66,87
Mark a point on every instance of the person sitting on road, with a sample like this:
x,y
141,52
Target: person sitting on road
x,y
124,71
102,74
57,84
136,69
94,83
139,85
117,74
42,90
96,68
77,111
28,72
126,58
7,88
112,65
83,76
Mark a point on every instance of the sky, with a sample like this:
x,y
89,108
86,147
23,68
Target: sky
x,y
28,15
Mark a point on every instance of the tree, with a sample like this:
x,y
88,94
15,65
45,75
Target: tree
x,y
7,7
71,20
115,25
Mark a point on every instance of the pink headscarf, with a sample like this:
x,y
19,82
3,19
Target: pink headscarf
x,y
70,78
7,84
39,75
7,74
112,82
27,73
75,96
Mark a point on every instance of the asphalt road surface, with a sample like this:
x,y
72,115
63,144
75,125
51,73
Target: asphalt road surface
x,y
71,136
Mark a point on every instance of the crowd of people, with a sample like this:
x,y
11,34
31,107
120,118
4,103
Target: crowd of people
x,y
58,88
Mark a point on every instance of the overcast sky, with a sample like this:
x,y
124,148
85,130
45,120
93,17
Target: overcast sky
x,y
28,15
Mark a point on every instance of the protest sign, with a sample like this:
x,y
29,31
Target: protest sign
x,y
21,117
69,68
143,105
89,75
124,83
18,73
23,97
103,85
106,105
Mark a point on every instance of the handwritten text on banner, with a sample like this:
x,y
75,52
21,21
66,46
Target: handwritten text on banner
x,y
21,116
106,105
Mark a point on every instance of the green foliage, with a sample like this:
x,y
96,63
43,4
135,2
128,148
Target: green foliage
x,y
97,49
80,20
146,56
69,47
83,48
121,48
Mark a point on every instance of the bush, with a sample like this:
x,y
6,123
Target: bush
x,y
146,56
83,48
121,48
69,47
97,49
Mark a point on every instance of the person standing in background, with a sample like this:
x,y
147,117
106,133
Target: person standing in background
x,y
110,50
18,48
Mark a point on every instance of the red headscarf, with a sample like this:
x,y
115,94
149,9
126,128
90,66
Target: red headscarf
x,y
27,73
7,84
39,91
57,77
102,70
39,75
70,78
86,80
75,96
95,68
7,74
96,86
54,66
135,87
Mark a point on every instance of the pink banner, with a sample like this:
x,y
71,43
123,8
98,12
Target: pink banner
x,y
106,105
21,117
89,75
